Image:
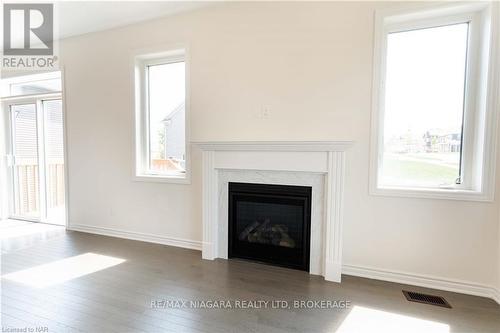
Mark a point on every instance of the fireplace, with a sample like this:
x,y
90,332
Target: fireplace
x,y
270,224
319,165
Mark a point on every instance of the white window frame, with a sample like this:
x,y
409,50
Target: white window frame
x,y
481,106
141,60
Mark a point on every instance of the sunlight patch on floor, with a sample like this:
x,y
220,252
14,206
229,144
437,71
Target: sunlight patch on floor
x,y
27,229
63,270
366,320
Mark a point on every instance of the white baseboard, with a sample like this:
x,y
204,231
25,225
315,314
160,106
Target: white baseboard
x,y
171,241
431,282
496,295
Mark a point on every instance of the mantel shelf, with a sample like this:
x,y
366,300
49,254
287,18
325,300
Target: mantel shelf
x,y
303,146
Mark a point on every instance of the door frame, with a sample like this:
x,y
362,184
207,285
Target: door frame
x,y
36,99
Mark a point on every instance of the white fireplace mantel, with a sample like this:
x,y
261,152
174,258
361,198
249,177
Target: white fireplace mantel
x,y
275,145
318,157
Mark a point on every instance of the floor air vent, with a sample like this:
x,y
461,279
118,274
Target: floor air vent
x,y
426,299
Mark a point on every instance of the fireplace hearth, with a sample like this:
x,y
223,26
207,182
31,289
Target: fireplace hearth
x,y
270,224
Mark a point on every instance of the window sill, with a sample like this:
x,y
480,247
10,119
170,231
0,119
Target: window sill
x,y
445,194
172,179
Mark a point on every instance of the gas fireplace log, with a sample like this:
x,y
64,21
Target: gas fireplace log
x,y
244,234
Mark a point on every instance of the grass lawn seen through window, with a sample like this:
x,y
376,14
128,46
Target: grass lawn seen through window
x,y
420,169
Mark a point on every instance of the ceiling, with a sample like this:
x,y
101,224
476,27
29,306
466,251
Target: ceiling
x,y
81,17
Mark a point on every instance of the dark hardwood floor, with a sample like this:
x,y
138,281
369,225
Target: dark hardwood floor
x,y
108,284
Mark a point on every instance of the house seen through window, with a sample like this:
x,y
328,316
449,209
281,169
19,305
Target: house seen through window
x,y
166,118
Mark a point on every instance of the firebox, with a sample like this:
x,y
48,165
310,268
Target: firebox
x,y
270,224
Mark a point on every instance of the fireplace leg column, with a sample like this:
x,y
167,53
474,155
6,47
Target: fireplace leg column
x,y
334,216
210,225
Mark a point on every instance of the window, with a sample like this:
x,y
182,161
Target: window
x,y
32,85
433,101
161,117
423,118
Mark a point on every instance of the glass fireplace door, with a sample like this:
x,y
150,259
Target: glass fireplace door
x,y
270,224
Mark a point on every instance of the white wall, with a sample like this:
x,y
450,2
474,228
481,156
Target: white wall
x,y
310,64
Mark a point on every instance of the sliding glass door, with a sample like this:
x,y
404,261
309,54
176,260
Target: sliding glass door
x,y
54,160
38,161
26,162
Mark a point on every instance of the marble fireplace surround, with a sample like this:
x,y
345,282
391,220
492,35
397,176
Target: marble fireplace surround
x,y
319,164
